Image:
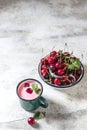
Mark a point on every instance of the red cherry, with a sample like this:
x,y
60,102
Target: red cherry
x,y
46,75
79,72
52,67
26,85
56,81
64,78
76,76
58,65
59,60
43,66
64,83
74,57
29,90
47,58
31,120
44,71
51,60
60,72
71,80
53,53
43,61
63,66
66,54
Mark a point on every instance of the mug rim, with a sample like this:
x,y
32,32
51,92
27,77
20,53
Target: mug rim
x,y
26,80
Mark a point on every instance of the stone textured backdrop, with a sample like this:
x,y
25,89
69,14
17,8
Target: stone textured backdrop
x,y
27,27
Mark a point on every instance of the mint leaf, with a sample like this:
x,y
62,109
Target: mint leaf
x,y
72,60
34,87
76,63
71,67
38,91
39,115
36,115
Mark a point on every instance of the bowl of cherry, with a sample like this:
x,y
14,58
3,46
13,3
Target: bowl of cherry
x,y
61,69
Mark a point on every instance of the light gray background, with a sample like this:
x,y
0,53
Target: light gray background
x,y
26,28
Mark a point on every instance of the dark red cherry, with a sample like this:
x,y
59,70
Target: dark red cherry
x,y
43,66
31,121
74,57
29,90
60,72
52,67
71,80
53,53
47,58
58,65
51,60
45,75
44,71
56,81
76,76
78,72
43,61
64,83
66,54
64,78
26,85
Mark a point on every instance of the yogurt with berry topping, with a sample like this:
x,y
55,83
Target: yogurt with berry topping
x,y
29,89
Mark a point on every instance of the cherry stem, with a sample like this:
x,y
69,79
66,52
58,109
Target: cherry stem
x,y
66,47
71,53
60,57
82,56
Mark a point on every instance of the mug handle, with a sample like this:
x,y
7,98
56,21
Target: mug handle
x,y
43,102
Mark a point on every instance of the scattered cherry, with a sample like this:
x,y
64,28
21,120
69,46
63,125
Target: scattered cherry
x,y
31,120
29,90
26,85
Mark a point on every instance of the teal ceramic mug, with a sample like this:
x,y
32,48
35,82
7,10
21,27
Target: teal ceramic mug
x,y
29,99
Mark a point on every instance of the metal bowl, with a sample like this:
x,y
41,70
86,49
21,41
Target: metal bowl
x,y
62,86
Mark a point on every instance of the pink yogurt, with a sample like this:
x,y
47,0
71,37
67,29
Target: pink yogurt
x,y
24,94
